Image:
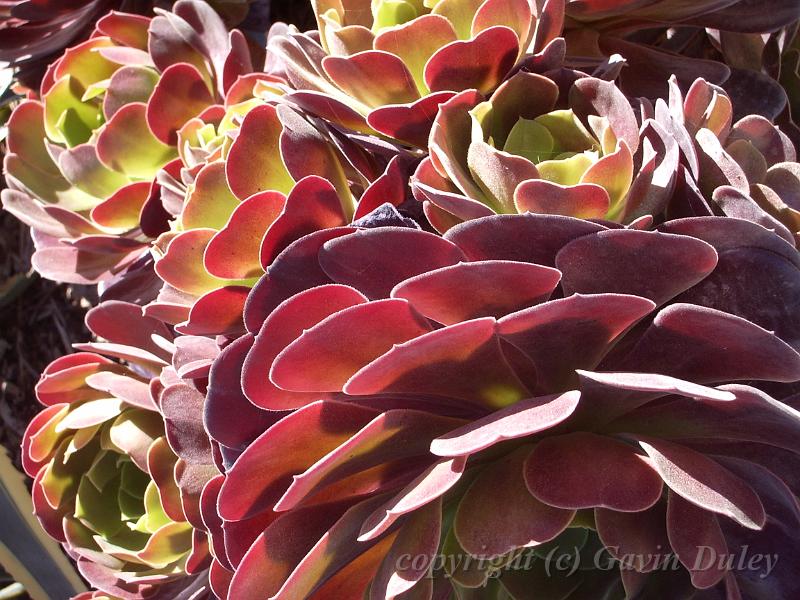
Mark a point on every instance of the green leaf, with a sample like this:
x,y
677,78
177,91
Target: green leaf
x,y
530,140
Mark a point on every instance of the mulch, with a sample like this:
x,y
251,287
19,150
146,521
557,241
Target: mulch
x,y
39,321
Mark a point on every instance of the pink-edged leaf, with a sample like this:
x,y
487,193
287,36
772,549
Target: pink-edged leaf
x,y
182,408
129,84
121,210
90,414
336,553
415,42
123,323
718,167
697,540
229,417
390,187
445,210
591,96
30,212
486,288
752,416
373,77
190,349
524,95
400,252
757,276
640,538
26,136
258,144
126,145
209,202
328,108
499,174
514,14
427,487
68,383
313,204
131,57
411,122
233,253
181,93
463,361
521,419
81,166
134,432
549,26
219,579
497,514
643,263
525,238
704,482
586,470
278,550
612,394
306,150
614,173
218,312
397,437
107,244
296,269
742,206
211,520
450,139
705,345
261,474
238,62
572,333
130,389
67,264
418,536
285,324
315,362
161,467
125,29
182,265
480,63
440,219
770,142
583,201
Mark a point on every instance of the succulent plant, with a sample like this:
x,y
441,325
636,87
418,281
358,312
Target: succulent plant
x,y
721,42
383,66
527,149
445,296
233,220
527,382
34,32
114,482
82,159
746,169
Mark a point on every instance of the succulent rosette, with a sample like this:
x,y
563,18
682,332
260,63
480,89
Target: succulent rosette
x,y
746,168
117,467
383,66
713,40
531,148
82,159
232,220
525,384
34,32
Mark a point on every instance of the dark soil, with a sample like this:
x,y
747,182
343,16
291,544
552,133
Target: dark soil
x,y
39,321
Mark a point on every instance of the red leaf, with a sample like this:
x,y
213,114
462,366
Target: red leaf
x,y
586,470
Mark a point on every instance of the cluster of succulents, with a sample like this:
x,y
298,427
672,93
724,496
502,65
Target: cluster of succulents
x,y
429,302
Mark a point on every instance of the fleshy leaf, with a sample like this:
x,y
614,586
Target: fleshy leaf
x,y
586,470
